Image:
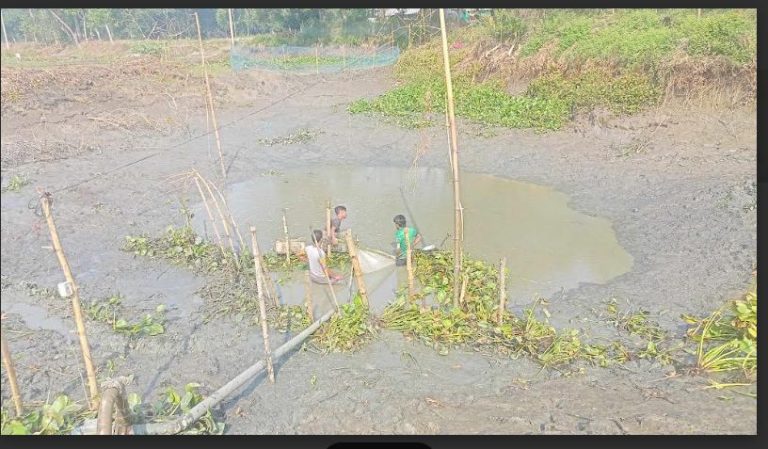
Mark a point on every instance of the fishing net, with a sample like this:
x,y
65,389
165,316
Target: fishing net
x,y
372,260
314,59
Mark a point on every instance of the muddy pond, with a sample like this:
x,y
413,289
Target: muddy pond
x,y
548,246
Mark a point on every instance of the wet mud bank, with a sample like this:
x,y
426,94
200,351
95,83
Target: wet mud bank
x,y
680,209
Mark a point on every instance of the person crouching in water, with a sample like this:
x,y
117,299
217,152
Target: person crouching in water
x,y
318,269
341,214
401,233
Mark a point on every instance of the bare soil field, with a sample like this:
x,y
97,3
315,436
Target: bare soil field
x,y
678,184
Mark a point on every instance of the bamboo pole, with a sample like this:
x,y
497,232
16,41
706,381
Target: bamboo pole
x,y
262,306
223,220
5,33
308,296
264,274
229,214
328,227
457,256
356,269
197,412
231,27
11,372
698,13
408,262
502,290
210,214
287,241
78,313
109,33
464,281
327,277
210,99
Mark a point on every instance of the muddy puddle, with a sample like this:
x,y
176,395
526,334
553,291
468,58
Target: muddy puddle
x,y
36,317
548,246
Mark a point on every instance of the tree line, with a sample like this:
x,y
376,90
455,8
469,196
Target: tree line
x,y
66,26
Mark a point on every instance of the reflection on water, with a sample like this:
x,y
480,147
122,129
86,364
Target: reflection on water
x,y
548,246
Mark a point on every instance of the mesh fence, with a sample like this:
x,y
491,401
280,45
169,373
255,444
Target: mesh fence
x,y
314,59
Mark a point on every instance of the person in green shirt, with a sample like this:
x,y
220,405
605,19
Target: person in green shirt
x,y
401,233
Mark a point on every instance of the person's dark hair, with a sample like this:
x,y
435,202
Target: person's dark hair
x,y
399,221
317,235
338,209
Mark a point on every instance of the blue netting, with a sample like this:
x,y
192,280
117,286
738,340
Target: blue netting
x,y
312,59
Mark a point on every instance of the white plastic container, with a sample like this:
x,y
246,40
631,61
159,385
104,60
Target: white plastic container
x,y
65,289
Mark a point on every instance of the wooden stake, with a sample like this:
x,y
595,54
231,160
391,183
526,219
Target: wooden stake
x,y
287,241
229,214
308,297
356,269
78,313
262,306
327,278
231,27
464,281
264,273
210,99
223,220
502,290
457,256
408,262
328,227
11,371
698,13
208,210
5,33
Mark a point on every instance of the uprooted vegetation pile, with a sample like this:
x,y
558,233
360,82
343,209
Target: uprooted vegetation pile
x,y
535,69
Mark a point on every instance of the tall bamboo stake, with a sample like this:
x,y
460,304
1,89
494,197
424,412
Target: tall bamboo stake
x,y
457,256
208,210
328,227
229,214
210,99
287,241
262,306
223,220
327,277
78,313
265,274
5,33
502,290
11,371
408,263
231,27
358,271
308,296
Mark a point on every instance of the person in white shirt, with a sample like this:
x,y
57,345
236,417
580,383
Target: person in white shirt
x,y
318,270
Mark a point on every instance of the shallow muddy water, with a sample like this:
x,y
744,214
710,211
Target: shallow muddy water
x,y
37,317
548,246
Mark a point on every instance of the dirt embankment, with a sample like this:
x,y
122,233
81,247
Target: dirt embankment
x,y
679,186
